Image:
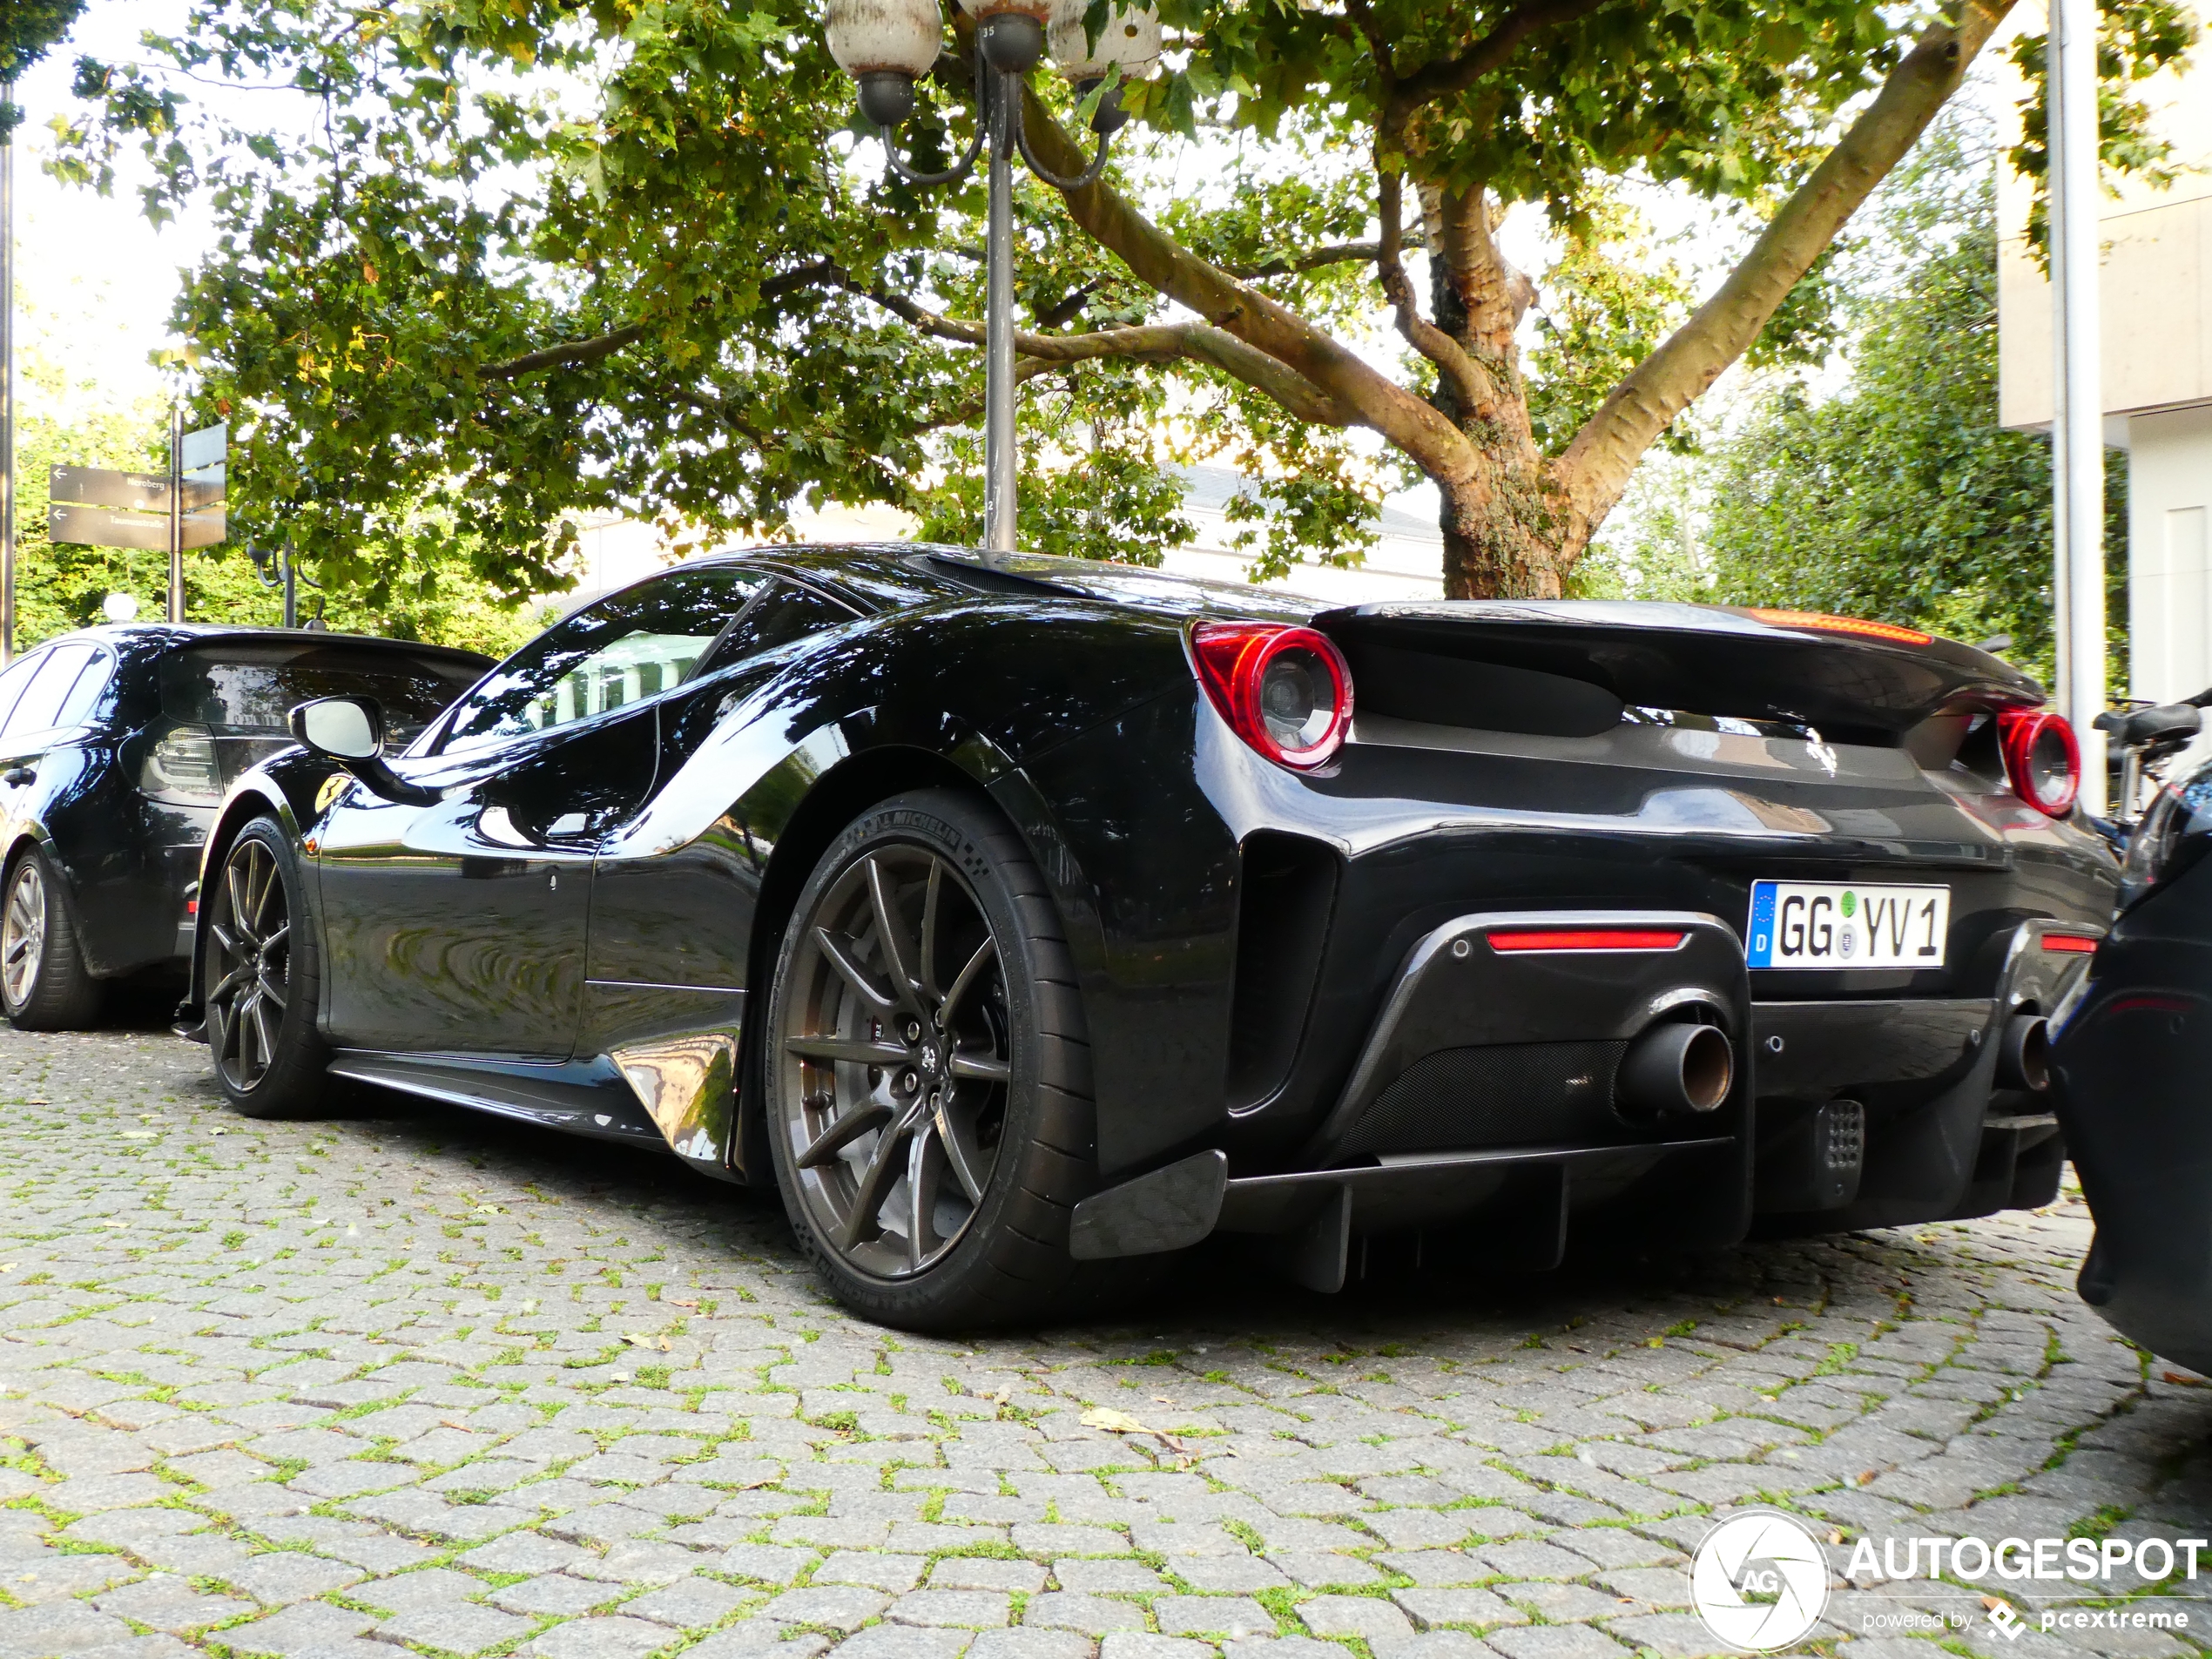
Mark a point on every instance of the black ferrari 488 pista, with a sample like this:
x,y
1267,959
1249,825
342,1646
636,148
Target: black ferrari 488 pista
x,y
1014,915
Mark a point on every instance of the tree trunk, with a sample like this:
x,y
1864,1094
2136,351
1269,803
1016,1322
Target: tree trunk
x,y
1499,536
1500,527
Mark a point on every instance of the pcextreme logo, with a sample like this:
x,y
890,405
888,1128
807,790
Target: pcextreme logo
x,y
1759,1581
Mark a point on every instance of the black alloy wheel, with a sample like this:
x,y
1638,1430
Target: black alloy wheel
x,y
928,1079
260,980
45,983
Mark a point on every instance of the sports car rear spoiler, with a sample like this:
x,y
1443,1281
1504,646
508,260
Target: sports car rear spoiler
x,y
1570,667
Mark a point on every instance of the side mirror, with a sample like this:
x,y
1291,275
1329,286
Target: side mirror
x,y
350,729
344,728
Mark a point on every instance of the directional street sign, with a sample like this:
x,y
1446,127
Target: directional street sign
x,y
171,513
101,527
142,492
204,447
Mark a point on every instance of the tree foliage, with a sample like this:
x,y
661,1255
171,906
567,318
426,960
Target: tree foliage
x,y
29,30
482,266
1898,496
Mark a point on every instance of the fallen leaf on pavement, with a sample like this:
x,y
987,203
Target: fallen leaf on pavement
x,y
1107,1418
2180,1377
1866,1476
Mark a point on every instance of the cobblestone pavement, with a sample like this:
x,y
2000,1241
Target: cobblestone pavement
x,y
405,1380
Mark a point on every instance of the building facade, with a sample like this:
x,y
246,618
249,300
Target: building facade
x,y
2156,287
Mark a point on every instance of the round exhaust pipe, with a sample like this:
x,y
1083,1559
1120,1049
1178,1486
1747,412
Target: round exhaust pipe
x,y
1678,1069
2024,1054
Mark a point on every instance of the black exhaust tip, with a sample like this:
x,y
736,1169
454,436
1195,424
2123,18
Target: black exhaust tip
x,y
2024,1054
1678,1069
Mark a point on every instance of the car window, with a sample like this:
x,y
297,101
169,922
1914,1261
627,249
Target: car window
x,y
91,680
630,646
40,708
781,612
17,677
247,687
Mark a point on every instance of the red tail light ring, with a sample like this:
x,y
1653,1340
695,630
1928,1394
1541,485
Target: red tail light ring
x,y
2041,759
1284,690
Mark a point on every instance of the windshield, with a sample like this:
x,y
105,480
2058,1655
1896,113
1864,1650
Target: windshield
x,y
242,689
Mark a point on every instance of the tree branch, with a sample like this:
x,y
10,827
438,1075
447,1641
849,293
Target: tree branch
x,y
1367,396
1147,342
1453,75
1313,260
1595,466
1473,390
570,353
574,352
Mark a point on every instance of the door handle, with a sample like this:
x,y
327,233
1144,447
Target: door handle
x,y
19,775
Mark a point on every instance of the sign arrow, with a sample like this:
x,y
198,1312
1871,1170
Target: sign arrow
x,y
99,527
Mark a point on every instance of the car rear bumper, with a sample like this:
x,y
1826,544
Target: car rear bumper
x,y
1492,1098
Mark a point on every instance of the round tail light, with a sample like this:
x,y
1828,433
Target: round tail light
x,y
1284,690
2041,759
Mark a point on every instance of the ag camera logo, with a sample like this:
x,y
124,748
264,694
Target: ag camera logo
x,y
1759,1581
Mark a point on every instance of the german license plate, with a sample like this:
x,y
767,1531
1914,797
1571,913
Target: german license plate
x,y
1834,924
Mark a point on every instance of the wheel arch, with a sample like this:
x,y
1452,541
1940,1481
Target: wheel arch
x,y
967,763
254,798
34,833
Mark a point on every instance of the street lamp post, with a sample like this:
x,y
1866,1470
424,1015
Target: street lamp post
x,y
887,45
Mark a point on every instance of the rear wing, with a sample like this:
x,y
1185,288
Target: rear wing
x,y
1572,668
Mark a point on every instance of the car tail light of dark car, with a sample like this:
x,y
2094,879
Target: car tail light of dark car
x,y
182,765
1285,690
2041,759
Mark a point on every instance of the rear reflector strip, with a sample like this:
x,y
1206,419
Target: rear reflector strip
x,y
2150,1004
2074,942
1588,939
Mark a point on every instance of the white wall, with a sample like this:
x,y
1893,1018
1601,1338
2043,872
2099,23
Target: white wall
x,y
2154,279
2169,554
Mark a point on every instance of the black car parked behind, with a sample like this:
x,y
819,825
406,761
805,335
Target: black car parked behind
x,y
116,746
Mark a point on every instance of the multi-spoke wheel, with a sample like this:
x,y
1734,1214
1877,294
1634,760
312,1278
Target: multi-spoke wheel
x,y
45,983
928,1081
260,989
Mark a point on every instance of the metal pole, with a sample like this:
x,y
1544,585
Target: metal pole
x,y
177,512
290,591
2083,691
2054,248
7,387
999,459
